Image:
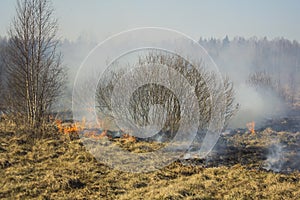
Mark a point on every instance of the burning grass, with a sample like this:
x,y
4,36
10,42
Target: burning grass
x,y
59,167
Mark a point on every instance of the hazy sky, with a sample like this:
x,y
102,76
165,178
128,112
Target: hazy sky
x,y
100,19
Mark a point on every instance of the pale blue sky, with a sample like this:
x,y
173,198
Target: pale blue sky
x,y
206,18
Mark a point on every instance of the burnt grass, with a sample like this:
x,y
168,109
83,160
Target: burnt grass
x,y
264,165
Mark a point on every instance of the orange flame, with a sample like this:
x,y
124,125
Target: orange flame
x,y
71,129
66,129
93,134
59,126
251,127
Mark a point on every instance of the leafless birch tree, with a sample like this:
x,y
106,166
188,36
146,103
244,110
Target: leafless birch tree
x,y
35,76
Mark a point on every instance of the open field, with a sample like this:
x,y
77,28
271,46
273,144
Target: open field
x,y
240,167
149,100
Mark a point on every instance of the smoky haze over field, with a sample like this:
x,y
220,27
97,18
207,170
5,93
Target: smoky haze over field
x,y
277,60
237,58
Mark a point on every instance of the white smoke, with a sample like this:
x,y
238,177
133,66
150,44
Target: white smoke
x,y
275,157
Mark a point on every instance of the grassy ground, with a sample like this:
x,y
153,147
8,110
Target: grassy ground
x,y
59,167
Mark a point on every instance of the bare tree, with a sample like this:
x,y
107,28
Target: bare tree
x,y
153,94
35,76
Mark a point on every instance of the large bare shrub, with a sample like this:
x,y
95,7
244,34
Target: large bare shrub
x,y
153,94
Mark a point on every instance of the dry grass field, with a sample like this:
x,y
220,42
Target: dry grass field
x,y
240,167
